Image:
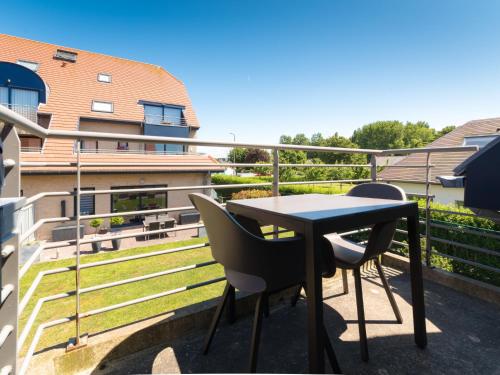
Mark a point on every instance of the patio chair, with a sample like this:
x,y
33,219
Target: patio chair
x,y
251,264
346,254
153,225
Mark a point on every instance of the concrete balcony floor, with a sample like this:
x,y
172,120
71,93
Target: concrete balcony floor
x,y
463,337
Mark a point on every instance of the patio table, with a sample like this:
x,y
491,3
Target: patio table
x,y
314,215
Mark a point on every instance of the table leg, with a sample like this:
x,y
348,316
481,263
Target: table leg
x,y
417,287
314,302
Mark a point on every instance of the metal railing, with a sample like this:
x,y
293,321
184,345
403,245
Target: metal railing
x,y
21,123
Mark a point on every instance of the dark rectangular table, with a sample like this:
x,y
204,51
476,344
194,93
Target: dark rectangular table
x,y
314,215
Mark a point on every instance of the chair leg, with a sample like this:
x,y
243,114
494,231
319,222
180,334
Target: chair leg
x,y
265,304
231,306
361,315
332,358
257,325
388,291
216,318
345,281
296,296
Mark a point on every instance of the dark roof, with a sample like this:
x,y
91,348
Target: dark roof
x,y
460,169
444,163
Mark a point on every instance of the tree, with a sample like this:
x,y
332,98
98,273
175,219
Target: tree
x,y
255,155
445,131
237,155
418,134
380,135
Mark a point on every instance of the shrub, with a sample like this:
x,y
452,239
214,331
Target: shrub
x,y
251,193
96,224
116,221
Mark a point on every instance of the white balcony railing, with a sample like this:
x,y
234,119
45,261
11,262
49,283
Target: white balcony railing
x,y
22,123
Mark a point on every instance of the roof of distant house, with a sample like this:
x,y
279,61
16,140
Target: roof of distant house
x,y
444,163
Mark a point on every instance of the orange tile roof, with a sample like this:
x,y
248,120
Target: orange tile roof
x,y
73,86
444,163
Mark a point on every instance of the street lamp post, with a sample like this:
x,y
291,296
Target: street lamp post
x,y
234,152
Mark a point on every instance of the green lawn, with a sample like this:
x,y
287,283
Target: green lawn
x,y
65,282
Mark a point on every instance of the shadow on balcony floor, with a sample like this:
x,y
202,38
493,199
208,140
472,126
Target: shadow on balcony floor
x,y
463,336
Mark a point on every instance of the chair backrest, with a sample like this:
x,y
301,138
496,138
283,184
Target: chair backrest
x,y
154,225
381,234
237,249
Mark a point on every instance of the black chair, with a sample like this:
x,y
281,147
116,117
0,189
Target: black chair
x,y
251,264
350,255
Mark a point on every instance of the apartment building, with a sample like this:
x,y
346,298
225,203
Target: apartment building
x,y
70,89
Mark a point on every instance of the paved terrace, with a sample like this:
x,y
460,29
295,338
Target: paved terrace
x,y
463,336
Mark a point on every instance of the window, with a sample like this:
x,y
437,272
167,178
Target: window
x,y
65,55
478,140
87,203
29,64
98,106
121,202
163,115
122,146
24,102
103,77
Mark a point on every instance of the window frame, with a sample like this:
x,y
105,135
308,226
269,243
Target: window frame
x,y
20,61
102,102
104,74
75,198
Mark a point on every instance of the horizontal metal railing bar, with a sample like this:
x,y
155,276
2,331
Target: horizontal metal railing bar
x,y
136,234
147,276
150,297
476,232
139,212
323,182
7,290
40,275
32,259
36,339
461,213
469,262
465,246
31,127
406,166
356,231
429,149
145,255
400,243
322,165
5,332
36,197
34,313
7,251
29,293
40,223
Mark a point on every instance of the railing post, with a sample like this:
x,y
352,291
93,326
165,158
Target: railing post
x,y
428,248
373,169
276,182
78,342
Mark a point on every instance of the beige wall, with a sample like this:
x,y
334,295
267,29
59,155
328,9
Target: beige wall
x,y
51,206
442,195
110,127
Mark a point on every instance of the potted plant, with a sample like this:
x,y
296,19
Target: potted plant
x,y
115,222
96,224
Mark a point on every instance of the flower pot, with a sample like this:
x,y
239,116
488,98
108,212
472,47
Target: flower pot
x,y
96,246
116,243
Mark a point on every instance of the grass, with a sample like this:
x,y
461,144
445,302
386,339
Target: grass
x,y
65,282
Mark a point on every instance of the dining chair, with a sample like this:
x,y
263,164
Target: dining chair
x,y
350,255
251,264
154,225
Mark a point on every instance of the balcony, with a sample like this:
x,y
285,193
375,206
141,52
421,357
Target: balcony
x,y
146,307
29,112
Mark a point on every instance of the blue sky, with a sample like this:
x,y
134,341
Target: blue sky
x,y
265,68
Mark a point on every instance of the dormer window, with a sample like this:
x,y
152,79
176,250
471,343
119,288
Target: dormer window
x,y
479,140
31,65
98,106
104,77
65,55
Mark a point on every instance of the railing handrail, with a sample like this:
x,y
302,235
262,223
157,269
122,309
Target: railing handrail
x,y
35,129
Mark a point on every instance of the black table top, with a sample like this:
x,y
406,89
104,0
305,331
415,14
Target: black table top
x,y
318,207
